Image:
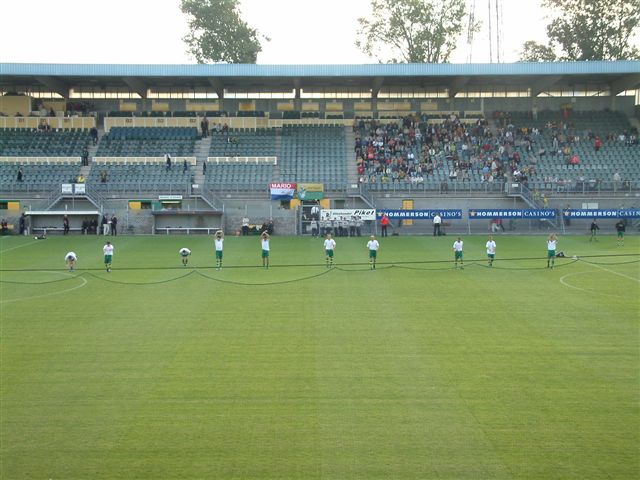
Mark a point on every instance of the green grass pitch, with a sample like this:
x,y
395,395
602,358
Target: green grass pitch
x,y
412,371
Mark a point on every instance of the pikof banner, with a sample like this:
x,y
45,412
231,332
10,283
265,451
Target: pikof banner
x,y
489,213
420,214
347,213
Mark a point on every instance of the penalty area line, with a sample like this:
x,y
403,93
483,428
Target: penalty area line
x,y
613,271
84,282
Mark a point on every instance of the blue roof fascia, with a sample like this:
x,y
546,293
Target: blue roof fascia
x,y
373,70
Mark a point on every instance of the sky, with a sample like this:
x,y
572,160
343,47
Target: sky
x,y
151,31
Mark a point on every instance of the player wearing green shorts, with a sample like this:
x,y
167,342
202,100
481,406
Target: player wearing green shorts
x,y
373,247
264,241
184,254
329,247
491,250
620,228
457,253
70,259
219,241
552,244
108,255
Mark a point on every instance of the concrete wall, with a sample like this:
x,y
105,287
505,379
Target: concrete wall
x,y
488,105
259,211
285,220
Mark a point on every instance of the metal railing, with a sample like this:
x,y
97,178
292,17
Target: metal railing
x,y
431,187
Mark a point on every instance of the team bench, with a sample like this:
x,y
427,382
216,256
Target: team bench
x,y
187,230
55,229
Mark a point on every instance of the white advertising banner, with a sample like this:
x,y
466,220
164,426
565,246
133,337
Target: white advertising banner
x,y
347,213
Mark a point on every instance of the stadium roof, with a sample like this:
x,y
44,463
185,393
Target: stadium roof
x,y
618,76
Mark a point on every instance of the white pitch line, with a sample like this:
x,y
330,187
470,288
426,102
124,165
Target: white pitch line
x,y
568,284
84,280
614,272
17,246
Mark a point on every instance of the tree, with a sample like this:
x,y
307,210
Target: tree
x,y
589,30
413,31
533,51
217,33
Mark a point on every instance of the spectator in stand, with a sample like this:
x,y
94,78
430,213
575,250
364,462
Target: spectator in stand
x,y
616,180
103,176
20,176
204,127
597,144
94,135
167,161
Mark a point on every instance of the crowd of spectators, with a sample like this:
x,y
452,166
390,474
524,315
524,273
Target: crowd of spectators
x,y
414,150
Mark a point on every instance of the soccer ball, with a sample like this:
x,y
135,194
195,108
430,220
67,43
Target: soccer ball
x,y
35,238
575,257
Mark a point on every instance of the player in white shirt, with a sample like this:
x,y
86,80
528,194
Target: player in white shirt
x,y
491,250
70,259
264,242
184,253
329,247
373,245
457,252
552,244
219,241
437,222
108,255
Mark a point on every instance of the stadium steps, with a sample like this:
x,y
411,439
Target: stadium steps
x,y
349,142
275,174
202,150
202,153
85,170
93,149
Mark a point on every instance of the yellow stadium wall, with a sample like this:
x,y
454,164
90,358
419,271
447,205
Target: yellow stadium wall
x,y
56,105
10,105
202,106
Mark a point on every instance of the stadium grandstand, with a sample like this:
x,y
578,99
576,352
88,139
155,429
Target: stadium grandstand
x,y
207,143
